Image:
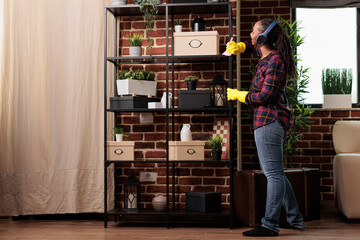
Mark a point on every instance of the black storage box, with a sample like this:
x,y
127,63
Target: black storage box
x,y
128,102
205,202
193,98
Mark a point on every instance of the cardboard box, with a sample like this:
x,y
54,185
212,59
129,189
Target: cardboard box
x,y
196,43
186,150
120,151
204,202
193,98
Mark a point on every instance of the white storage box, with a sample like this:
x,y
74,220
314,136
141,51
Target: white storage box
x,y
138,87
120,151
186,150
196,43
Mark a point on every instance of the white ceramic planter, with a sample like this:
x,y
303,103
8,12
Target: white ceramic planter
x,y
337,101
138,87
118,2
135,51
119,137
178,28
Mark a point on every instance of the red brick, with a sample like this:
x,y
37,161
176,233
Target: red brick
x,y
320,144
311,136
223,190
281,10
321,159
355,113
202,172
326,167
156,189
214,181
143,128
135,137
144,145
249,4
320,113
222,172
319,128
155,154
329,121
162,42
189,181
204,188
325,181
340,113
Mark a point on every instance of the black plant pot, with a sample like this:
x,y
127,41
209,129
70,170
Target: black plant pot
x,y
191,85
216,155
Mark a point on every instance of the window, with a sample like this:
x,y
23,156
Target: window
x,y
330,42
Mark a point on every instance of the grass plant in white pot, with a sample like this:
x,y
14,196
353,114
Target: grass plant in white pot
x,y
178,26
135,42
139,82
337,85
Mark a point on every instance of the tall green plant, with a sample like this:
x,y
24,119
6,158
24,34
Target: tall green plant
x,y
295,89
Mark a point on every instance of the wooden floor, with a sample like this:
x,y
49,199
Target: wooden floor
x,y
330,226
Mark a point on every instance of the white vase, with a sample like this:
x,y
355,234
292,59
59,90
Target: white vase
x,y
135,51
159,203
185,134
163,100
178,28
119,137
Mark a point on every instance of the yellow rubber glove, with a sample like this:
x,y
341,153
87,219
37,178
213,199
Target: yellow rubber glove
x,y
233,94
235,48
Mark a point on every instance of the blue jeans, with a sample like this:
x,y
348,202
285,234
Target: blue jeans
x,y
269,143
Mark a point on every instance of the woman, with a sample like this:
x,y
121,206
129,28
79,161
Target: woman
x,y
272,119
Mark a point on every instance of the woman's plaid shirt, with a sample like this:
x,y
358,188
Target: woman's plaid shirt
x,y
267,93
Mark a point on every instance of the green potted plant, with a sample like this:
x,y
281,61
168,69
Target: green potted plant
x,y
119,134
138,82
336,85
149,9
295,89
135,42
216,143
178,26
191,82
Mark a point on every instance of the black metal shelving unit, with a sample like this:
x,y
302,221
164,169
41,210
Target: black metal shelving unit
x,y
168,10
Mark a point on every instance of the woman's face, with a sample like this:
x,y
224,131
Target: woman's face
x,y
255,32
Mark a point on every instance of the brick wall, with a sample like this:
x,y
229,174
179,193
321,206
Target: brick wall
x,y
150,138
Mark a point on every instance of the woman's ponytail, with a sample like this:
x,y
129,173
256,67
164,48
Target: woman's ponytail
x,y
278,40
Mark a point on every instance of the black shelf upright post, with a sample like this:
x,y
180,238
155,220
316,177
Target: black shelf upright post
x,y
231,120
167,113
105,118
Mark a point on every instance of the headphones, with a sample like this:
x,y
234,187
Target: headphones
x,y
262,38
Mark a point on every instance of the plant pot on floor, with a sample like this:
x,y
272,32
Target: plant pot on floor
x,y
191,85
216,155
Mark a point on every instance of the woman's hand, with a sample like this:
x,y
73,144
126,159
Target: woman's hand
x,y
233,94
235,48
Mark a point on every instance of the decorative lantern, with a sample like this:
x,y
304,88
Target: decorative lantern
x,y
218,87
132,194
